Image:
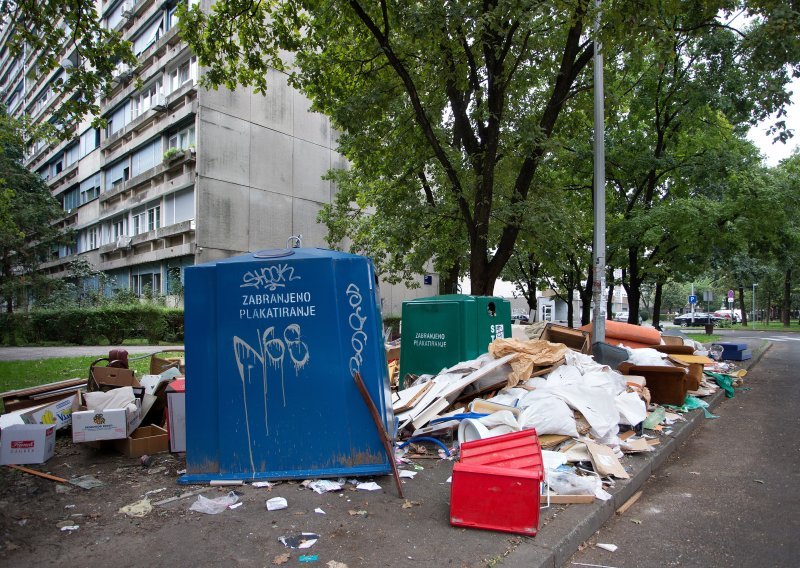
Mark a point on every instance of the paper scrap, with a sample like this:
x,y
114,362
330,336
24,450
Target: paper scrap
x,y
407,473
302,540
70,528
324,485
235,505
368,486
609,547
276,504
138,509
260,484
86,482
281,558
305,559
319,511
605,462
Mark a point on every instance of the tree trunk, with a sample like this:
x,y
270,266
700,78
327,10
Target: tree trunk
x,y
449,283
742,306
787,298
610,292
585,293
657,305
570,307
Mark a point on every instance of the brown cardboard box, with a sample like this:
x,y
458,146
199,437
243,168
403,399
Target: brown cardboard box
x,y
112,377
575,339
144,440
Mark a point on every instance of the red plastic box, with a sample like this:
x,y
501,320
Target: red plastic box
x,y
496,485
518,450
495,498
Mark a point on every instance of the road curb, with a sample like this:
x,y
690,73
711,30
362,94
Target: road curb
x,y
564,534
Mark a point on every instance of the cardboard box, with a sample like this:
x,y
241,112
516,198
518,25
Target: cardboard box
x,y
27,443
145,440
112,377
176,415
575,339
108,424
58,413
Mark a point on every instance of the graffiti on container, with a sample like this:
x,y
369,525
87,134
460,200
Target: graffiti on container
x,y
269,277
257,364
358,339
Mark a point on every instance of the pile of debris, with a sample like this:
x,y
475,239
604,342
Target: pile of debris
x,y
585,412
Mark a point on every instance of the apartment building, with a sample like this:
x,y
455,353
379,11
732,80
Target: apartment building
x,y
180,175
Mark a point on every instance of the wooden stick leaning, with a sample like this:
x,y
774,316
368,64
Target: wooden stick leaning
x,y
387,442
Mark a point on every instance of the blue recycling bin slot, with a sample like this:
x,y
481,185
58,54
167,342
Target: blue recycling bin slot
x,y
272,341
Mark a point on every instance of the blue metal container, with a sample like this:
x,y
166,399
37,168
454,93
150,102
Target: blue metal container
x,y
272,341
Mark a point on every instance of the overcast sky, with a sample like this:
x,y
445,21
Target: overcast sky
x,y
774,153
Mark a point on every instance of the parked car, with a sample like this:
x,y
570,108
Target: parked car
x,y
700,318
520,318
734,315
623,316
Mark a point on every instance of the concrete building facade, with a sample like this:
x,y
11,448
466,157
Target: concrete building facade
x,y
180,174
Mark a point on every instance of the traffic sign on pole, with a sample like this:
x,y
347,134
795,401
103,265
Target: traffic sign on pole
x,y
730,300
730,295
692,299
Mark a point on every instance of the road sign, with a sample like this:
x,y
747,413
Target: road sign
x,y
730,300
692,299
730,295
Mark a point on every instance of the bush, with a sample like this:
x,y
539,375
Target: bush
x,y
87,326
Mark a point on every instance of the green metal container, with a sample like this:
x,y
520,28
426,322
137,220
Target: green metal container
x,y
440,331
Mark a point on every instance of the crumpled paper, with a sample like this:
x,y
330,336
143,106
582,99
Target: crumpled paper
x,y
531,354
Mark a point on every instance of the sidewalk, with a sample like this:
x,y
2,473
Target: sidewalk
x,y
560,538
33,353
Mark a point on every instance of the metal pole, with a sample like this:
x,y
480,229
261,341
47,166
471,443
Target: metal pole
x,y
599,244
754,305
692,305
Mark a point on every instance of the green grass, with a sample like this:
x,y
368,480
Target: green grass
x,y
24,374
703,338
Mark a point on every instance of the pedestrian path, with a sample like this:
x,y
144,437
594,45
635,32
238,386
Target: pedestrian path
x,y
776,339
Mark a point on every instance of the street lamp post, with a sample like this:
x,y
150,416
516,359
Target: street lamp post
x,y
754,304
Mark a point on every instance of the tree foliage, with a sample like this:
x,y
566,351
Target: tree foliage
x,y
27,213
52,28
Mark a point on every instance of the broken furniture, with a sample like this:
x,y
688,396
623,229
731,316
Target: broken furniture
x,y
667,384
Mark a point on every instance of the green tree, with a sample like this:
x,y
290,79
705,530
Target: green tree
x,y
53,28
27,212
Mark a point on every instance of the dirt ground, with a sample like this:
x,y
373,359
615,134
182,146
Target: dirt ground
x,y
358,528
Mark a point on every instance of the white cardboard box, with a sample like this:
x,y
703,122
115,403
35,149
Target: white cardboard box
x,y
58,413
27,443
108,424
176,405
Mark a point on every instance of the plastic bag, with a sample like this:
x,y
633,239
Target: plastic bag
x,y
214,506
548,414
569,483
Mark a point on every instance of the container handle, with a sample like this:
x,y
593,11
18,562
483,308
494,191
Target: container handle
x,y
294,241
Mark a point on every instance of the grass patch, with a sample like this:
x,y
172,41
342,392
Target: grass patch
x,y
24,374
703,338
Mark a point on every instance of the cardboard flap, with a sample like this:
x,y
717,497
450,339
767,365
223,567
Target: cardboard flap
x,y
113,377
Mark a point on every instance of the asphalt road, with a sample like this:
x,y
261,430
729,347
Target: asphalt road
x,y
730,496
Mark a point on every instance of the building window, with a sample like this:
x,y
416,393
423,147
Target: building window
x,y
119,119
90,140
149,35
90,188
117,228
71,198
184,73
91,239
116,174
183,139
148,98
147,219
71,155
148,284
146,157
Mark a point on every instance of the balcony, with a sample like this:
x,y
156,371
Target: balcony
x,y
171,241
148,185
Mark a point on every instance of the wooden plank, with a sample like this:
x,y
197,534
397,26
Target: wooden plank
x,y
629,503
38,473
567,499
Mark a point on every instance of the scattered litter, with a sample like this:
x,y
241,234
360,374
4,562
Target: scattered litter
x,y
155,470
276,504
281,559
214,506
592,565
302,540
408,504
368,486
224,482
235,505
146,460
334,564
86,482
138,509
181,496
636,521
69,506
323,485
761,481
260,484
308,559
69,528
407,473
695,472
154,491
63,488
181,471
67,525
319,511
357,513
609,547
